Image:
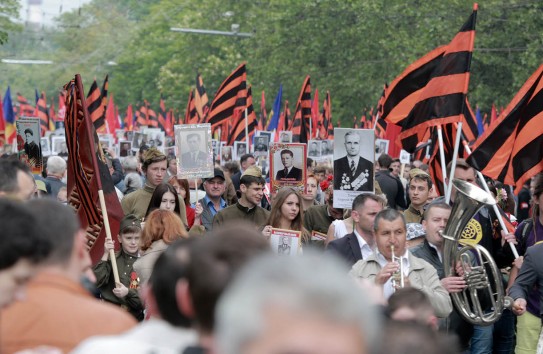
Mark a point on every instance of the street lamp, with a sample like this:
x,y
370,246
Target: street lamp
x,y
233,33
27,61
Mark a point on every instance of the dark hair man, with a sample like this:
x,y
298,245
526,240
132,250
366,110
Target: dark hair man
x,y
245,161
194,157
353,172
419,188
360,243
289,172
212,202
390,185
16,180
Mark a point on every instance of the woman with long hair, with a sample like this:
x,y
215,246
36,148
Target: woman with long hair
x,y
161,229
287,213
183,191
165,198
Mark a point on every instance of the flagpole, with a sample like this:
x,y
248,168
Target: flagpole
x,y
112,258
442,157
495,206
247,132
453,162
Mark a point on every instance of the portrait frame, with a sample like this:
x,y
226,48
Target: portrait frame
x,y
56,146
226,153
261,145
381,147
361,179
283,134
299,161
203,166
125,148
45,146
138,139
314,153
278,238
327,147
29,153
237,149
216,146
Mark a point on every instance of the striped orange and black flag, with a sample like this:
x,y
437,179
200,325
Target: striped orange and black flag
x,y
511,149
152,119
25,108
431,91
328,131
302,114
162,114
230,99
191,115
88,173
95,106
284,118
42,113
142,116
201,101
237,133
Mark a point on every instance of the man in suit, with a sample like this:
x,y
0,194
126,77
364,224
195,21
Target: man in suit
x,y
289,172
194,158
284,246
353,172
360,243
32,149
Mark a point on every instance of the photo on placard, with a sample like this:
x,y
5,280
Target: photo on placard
x,y
215,144
125,148
354,155
327,147
285,242
138,139
240,149
314,148
28,143
195,151
381,147
59,146
226,154
285,136
120,134
287,166
45,146
261,145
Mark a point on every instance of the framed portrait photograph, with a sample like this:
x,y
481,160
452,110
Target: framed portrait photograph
x,y
285,242
381,147
195,159
138,139
226,154
287,166
354,154
261,145
285,136
314,148
216,146
29,143
327,147
45,146
155,138
120,135
240,149
59,146
125,148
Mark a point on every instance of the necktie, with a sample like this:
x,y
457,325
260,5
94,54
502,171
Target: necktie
x,y
285,171
352,167
194,157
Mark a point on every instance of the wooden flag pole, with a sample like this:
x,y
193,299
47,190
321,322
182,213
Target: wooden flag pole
x,y
196,188
453,162
442,156
247,132
112,258
495,206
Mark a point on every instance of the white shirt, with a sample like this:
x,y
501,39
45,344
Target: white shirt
x,y
365,249
438,252
388,290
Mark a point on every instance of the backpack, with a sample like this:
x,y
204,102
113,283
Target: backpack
x,y
527,226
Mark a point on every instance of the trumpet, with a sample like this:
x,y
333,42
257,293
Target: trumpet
x,y
398,276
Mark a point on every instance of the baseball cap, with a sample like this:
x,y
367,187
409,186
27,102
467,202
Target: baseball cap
x,y
217,172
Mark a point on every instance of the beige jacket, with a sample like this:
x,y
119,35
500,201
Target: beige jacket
x,y
422,276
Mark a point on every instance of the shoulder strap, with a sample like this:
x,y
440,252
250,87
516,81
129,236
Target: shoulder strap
x,y
527,226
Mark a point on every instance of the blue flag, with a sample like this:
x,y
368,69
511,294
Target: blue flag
x,y
276,109
479,118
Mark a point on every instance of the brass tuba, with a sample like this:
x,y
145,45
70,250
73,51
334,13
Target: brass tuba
x,y
475,260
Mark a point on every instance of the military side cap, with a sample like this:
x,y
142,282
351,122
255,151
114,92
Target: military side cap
x,y
253,171
129,220
418,172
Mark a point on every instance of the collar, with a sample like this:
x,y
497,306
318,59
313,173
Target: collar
x,y
382,260
148,188
361,240
245,209
59,281
222,201
437,251
412,209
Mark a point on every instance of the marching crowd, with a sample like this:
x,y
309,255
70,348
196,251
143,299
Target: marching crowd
x,y
198,275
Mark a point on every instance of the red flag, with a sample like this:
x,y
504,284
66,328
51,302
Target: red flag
x,y
262,122
61,107
129,119
111,119
168,128
511,149
41,112
88,173
2,125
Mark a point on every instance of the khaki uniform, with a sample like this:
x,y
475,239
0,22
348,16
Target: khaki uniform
x,y
105,282
257,215
412,215
316,218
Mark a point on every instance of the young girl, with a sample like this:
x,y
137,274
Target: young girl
x,y
287,213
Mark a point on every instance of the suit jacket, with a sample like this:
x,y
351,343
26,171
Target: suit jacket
x,y
347,248
342,172
188,162
530,274
235,180
295,174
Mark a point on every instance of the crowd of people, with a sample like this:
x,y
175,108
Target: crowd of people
x,y
198,275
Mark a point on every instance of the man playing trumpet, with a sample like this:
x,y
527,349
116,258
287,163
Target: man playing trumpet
x,y
391,259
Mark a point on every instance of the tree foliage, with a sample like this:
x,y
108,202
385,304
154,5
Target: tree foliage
x,y
349,47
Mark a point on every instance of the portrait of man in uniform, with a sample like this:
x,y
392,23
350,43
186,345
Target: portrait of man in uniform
x,y
32,149
314,148
284,245
289,171
353,172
